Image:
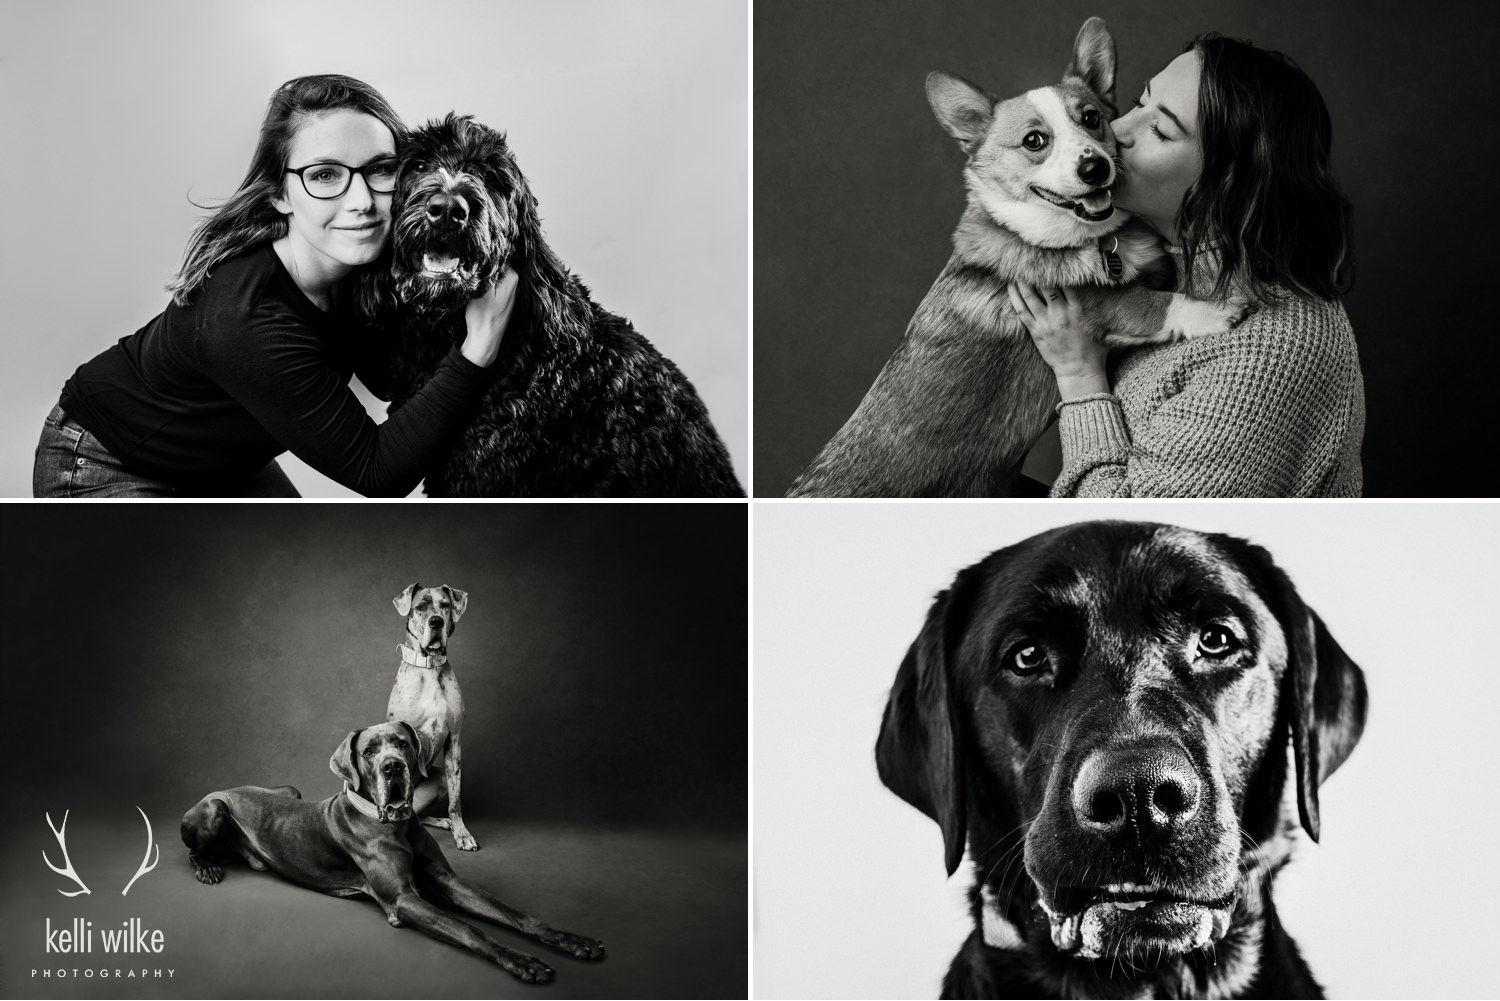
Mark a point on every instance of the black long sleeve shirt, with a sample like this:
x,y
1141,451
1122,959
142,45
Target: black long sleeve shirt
x,y
209,393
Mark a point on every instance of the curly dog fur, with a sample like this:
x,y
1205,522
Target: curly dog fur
x,y
582,405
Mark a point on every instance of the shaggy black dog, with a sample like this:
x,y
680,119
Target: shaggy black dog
x,y
582,405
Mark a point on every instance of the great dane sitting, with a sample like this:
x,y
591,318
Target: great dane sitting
x,y
366,841
426,695
1123,723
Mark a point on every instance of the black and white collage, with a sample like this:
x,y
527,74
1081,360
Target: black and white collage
x,y
797,499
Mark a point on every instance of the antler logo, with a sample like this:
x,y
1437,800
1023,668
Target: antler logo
x,y
60,832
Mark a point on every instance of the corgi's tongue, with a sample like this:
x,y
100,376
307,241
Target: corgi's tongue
x,y
1095,202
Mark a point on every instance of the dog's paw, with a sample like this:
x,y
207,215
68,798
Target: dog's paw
x,y
574,945
465,841
1188,318
442,822
208,873
527,969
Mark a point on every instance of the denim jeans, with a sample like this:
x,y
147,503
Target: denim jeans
x,y
71,462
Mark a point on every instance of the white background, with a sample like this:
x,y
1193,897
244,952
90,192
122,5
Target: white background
x,y
629,119
1397,900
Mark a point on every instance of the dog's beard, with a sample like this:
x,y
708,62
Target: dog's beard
x,y
439,270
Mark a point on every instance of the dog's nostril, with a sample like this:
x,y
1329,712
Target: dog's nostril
x,y
447,209
1105,808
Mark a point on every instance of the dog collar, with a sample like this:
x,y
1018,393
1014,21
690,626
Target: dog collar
x,y
361,804
431,661
999,933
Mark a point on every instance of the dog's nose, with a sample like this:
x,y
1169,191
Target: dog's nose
x,y
392,767
436,622
1093,170
447,211
1151,787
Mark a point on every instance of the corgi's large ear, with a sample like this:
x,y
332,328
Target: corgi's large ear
x,y
1093,63
964,110
918,751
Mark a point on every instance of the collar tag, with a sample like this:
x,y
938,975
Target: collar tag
x,y
1113,266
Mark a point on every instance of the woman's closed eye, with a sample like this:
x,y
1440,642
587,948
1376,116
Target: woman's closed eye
x,y
1155,130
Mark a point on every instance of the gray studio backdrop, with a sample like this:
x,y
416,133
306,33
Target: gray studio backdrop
x,y
629,118
850,892
857,190
170,650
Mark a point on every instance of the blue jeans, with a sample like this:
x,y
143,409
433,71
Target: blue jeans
x,y
71,462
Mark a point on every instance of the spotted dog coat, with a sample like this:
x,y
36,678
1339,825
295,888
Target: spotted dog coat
x,y
1124,724
582,405
426,695
366,841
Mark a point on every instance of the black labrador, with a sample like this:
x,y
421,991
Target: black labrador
x,y
1124,723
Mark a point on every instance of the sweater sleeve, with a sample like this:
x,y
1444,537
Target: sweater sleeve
x,y
275,368
1248,412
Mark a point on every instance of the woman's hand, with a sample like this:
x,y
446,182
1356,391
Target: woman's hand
x,y
486,317
1055,321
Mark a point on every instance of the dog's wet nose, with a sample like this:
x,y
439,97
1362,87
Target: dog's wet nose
x,y
435,622
392,767
1151,787
447,211
1093,170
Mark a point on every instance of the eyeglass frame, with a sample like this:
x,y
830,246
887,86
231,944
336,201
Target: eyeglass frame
x,y
301,173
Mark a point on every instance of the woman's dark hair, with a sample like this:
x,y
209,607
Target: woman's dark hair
x,y
249,217
1266,201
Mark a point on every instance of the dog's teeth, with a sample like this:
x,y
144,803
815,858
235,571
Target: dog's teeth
x,y
444,264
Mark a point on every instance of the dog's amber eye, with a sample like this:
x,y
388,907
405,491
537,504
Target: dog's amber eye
x,y
1028,658
1216,642
1034,141
1090,119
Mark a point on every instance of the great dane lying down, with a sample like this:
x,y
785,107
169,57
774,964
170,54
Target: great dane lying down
x,y
1108,716
366,841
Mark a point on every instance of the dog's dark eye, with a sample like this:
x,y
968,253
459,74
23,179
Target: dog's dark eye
x,y
1027,659
1216,642
1034,141
369,752
1090,119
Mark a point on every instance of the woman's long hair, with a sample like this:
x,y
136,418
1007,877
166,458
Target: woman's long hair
x,y
1266,202
249,217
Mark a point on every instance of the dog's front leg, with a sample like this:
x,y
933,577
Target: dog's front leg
x,y
404,906
1139,315
452,777
442,883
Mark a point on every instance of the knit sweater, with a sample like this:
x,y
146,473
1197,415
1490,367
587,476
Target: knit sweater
x,y
1273,408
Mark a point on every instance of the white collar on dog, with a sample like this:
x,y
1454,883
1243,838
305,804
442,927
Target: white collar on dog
x,y
999,933
415,659
361,804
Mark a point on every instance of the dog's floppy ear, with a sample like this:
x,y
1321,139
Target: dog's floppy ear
x,y
460,601
342,763
1323,693
1327,700
964,110
1093,63
419,742
403,600
917,753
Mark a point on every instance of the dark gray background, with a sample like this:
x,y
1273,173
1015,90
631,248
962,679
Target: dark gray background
x,y
162,651
857,190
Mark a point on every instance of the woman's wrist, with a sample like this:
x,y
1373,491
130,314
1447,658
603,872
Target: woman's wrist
x,y
480,348
1085,382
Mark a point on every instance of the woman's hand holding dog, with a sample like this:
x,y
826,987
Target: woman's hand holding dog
x,y
486,317
1055,321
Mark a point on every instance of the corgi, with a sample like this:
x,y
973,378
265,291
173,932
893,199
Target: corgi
x,y
966,394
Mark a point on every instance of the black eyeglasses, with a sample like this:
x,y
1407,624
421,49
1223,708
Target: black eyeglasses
x,y
330,179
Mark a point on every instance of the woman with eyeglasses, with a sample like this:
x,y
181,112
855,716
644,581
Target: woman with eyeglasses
x,y
253,355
